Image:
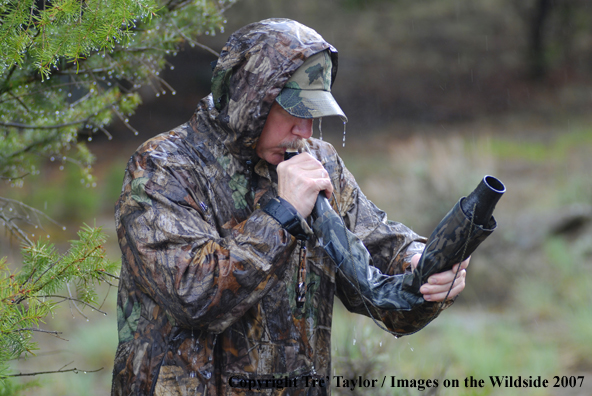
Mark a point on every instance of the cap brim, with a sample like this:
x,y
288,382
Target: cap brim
x,y
313,104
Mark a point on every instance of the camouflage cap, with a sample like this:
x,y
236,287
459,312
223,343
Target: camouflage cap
x,y
308,93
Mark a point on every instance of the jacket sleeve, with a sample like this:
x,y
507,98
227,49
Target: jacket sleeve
x,y
176,255
391,246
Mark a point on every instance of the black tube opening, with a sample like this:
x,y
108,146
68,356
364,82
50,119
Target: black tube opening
x,y
495,184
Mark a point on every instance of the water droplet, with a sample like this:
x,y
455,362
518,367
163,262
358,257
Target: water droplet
x,y
64,228
354,341
321,128
380,343
90,138
61,167
192,374
344,133
172,67
179,352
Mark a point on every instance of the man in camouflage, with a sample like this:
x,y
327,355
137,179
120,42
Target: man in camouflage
x,y
210,219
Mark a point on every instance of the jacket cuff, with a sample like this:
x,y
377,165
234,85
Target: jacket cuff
x,y
288,217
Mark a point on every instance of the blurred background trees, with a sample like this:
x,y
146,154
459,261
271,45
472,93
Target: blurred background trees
x,y
438,93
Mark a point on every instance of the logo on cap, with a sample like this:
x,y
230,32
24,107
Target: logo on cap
x,y
307,94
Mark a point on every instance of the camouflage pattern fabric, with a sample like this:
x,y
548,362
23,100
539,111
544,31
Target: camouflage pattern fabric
x,y
206,296
308,92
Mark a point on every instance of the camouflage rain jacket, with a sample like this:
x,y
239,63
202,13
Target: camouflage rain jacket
x,y
206,297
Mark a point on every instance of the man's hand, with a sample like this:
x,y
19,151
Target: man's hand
x,y
300,179
439,284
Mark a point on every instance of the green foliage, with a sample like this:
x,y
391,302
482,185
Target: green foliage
x,y
10,388
68,65
67,68
46,279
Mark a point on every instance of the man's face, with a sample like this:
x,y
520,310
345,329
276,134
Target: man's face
x,y
281,131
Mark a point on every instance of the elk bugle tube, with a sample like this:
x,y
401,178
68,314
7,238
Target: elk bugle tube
x,y
461,231
458,234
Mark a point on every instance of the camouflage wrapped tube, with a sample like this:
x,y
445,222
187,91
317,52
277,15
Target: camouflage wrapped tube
x,y
454,239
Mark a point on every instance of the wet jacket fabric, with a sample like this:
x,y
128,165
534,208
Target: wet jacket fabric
x,y
206,297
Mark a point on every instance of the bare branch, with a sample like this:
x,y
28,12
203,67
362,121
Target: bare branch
x,y
120,116
54,372
73,301
76,300
24,216
16,177
54,333
18,125
15,230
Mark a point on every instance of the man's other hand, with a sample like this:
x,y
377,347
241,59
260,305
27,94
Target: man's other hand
x,y
439,284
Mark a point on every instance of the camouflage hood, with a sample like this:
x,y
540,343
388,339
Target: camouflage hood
x,y
253,67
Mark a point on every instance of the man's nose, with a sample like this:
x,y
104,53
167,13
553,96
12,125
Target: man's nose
x,y
303,128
